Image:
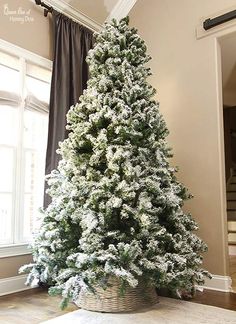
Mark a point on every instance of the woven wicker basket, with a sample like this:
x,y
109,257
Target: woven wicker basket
x,y
111,301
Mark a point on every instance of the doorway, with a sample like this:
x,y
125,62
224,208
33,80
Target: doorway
x,y
228,61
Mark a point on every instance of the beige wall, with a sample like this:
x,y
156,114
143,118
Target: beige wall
x,y
34,36
9,266
228,50
185,75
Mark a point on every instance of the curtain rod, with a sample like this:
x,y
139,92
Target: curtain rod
x,y
47,8
210,23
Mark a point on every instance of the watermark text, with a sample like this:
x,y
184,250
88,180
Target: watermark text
x,y
17,15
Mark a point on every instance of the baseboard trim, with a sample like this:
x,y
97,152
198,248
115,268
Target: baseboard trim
x,y
13,284
219,283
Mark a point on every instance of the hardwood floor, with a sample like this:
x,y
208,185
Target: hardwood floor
x,y
35,306
30,307
216,298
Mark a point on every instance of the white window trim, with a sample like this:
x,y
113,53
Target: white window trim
x,y
27,55
12,250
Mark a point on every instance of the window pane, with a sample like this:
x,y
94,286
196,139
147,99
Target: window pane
x,y
35,141
32,202
38,72
34,172
38,88
28,215
31,216
8,125
5,218
35,130
29,171
23,140
9,60
34,187
6,169
9,80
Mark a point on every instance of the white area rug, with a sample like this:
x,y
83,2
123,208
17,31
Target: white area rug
x,y
168,311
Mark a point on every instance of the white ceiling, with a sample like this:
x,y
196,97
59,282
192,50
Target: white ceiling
x,y
98,10
93,13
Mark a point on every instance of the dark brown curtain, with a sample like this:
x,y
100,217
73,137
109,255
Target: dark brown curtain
x,y
69,78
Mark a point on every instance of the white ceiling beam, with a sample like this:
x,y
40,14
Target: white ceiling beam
x,y
73,13
121,9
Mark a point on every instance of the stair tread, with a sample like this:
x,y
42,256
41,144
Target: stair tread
x,y
232,237
231,218
232,231
231,210
231,243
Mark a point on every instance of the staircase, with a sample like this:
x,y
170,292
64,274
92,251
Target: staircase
x,y
231,208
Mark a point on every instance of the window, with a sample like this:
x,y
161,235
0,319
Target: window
x,y
24,98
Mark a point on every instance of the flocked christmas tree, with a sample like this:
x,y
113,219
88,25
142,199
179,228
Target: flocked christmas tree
x,y
116,204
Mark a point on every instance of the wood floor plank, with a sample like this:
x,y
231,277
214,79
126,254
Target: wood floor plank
x,y
34,306
30,307
216,298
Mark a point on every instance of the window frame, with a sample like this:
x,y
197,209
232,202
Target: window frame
x,y
15,249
